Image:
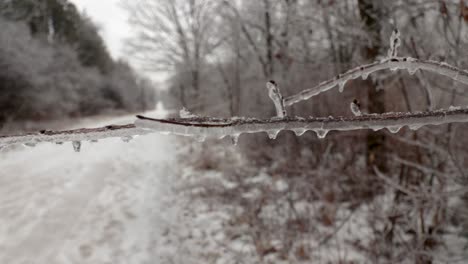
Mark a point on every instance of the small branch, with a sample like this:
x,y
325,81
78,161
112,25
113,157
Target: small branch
x,y
219,128
275,95
408,63
77,135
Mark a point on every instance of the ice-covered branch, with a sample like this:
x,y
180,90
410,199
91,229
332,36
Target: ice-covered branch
x,y
275,95
397,63
76,136
219,128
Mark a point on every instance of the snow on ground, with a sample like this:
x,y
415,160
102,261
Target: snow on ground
x,y
102,205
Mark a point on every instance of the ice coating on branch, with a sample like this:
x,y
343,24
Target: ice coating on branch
x,y
394,129
356,108
217,128
396,63
30,144
184,113
76,146
395,43
85,134
321,133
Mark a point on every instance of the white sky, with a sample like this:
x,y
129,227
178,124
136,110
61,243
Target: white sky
x,y
112,21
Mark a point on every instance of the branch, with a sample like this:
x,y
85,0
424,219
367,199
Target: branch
x,y
408,63
77,135
219,128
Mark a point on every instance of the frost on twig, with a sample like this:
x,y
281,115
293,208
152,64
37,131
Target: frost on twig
x,y
275,95
75,136
219,128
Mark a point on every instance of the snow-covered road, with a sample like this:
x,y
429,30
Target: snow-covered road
x,y
102,205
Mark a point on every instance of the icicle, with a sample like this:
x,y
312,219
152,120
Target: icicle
x,y
365,76
394,129
300,131
127,139
272,134
321,133
30,144
76,146
200,138
235,139
412,70
341,86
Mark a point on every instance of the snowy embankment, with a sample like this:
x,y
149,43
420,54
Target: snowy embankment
x,y
102,205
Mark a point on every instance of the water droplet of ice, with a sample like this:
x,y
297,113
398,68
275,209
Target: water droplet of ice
x,y
272,134
341,86
365,76
76,146
30,144
394,129
235,139
412,70
300,131
127,139
321,133
200,138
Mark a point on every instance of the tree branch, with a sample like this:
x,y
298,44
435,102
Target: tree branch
x,y
77,135
408,63
219,128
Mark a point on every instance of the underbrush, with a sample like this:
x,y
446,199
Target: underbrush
x,y
320,207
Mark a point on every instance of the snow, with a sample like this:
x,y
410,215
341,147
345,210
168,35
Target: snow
x,y
102,205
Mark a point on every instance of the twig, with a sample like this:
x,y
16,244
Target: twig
x,y
408,63
77,135
219,128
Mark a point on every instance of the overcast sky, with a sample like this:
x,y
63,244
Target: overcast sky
x,y
112,20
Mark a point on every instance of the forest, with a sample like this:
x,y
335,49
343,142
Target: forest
x,y
394,195
309,131
54,65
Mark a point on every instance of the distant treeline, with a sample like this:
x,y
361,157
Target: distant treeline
x,y
54,64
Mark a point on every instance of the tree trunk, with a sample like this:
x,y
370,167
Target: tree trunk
x,y
376,150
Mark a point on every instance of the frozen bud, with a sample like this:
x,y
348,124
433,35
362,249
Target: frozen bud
x,y
356,108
